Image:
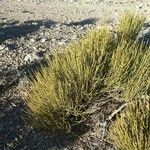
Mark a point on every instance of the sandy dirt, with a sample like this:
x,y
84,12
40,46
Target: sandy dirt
x,y
31,28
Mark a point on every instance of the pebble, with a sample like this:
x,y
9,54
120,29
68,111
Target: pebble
x,y
29,58
53,40
43,40
35,56
2,47
61,43
34,48
14,105
34,23
32,40
20,136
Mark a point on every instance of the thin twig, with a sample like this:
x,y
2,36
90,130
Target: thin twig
x,y
114,113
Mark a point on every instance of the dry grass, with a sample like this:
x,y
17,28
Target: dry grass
x,y
130,63
131,131
76,79
130,69
130,25
61,95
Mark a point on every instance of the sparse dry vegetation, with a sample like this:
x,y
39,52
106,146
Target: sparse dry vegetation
x,y
130,62
77,78
129,26
131,131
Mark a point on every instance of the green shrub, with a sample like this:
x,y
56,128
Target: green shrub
x,y
130,63
130,25
73,80
131,131
63,93
129,70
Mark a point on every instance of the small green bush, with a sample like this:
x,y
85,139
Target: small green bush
x,y
130,25
63,93
131,131
130,63
73,80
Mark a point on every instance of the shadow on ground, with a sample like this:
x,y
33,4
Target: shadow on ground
x,y
13,30
16,134
11,77
84,22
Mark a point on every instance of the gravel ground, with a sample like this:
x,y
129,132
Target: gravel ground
x,y
31,30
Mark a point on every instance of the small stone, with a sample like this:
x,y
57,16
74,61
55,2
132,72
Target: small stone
x,y
2,47
34,23
34,48
4,20
14,105
61,43
41,33
43,40
42,27
20,136
28,58
14,55
53,40
70,21
9,145
35,56
32,40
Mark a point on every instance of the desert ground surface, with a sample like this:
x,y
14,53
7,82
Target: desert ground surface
x,y
33,29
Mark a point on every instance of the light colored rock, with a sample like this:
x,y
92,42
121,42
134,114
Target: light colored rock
x,y
35,56
43,40
32,40
2,47
53,40
62,43
30,58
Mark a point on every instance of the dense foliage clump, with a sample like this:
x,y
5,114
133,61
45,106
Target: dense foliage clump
x,y
63,93
131,131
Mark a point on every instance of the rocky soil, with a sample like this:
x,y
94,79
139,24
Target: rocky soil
x,y
31,30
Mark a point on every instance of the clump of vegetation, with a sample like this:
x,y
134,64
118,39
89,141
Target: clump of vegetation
x,y
129,26
62,93
129,63
131,131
